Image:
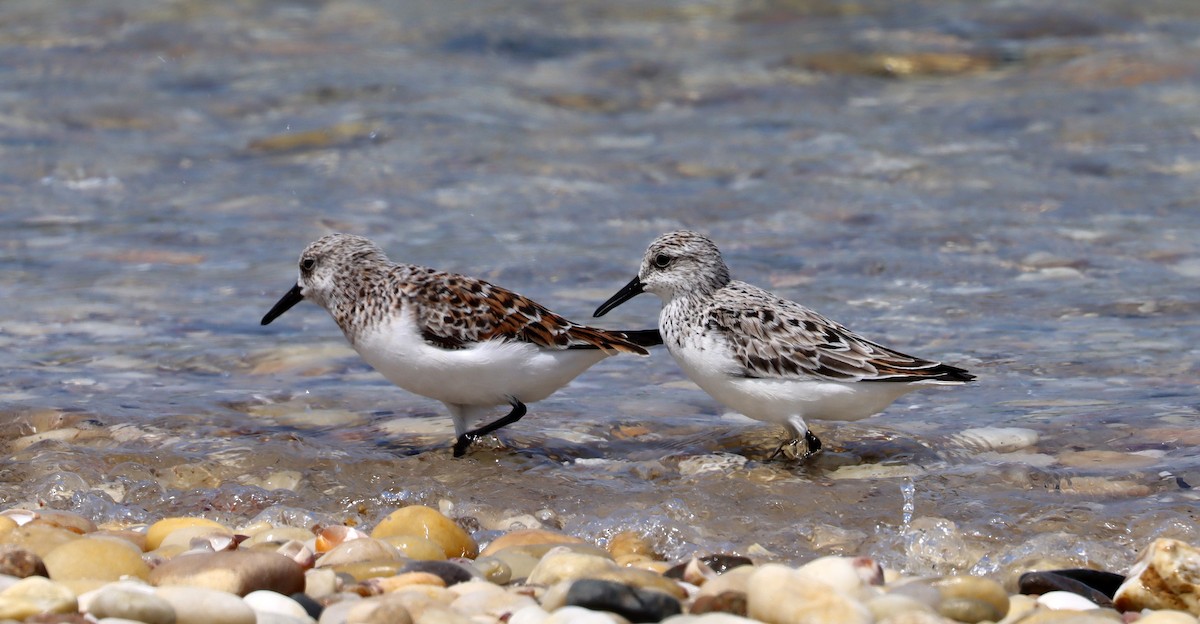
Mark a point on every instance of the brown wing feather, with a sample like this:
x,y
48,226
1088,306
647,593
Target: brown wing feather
x,y
776,338
455,311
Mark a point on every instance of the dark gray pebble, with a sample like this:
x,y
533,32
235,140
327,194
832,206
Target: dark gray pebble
x,y
634,604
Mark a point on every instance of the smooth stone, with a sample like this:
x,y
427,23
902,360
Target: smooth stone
x,y
416,547
634,604
1052,616
532,614
708,618
135,538
192,536
377,611
279,618
1093,585
358,551
1164,577
20,563
7,524
104,558
320,582
118,601
263,602
971,598
630,543
72,522
481,598
847,574
449,571
735,580
519,564
493,569
579,615
538,551
890,605
429,523
998,439
780,595
404,581
338,612
525,537
367,570
38,539
1167,616
199,605
1066,600
161,529
31,596
235,571
277,536
733,602
565,565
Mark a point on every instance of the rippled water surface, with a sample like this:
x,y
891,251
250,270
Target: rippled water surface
x,y
1008,186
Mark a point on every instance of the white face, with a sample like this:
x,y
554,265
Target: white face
x,y
330,258
682,262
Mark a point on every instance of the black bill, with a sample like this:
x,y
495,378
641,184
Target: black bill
x,y
631,290
284,304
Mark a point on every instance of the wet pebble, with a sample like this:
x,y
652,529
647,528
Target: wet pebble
x,y
237,572
199,605
1094,585
129,602
635,605
780,595
431,524
34,595
1164,577
96,558
18,562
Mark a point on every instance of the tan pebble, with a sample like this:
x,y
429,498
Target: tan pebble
x,y
380,610
364,570
1167,616
199,537
234,571
539,550
519,564
780,595
96,558
167,553
429,523
1165,576
319,583
83,586
199,605
630,543
493,569
276,536
38,539
1105,459
657,567
971,598
416,547
844,573
555,596
74,523
7,524
34,595
483,599
399,582
359,550
891,605
331,537
161,529
731,602
135,538
528,536
735,580
561,565
1019,605
1052,616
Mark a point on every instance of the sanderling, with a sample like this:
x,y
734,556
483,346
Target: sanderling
x,y
457,339
769,358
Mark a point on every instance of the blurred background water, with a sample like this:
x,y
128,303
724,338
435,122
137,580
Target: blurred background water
x,y
1007,186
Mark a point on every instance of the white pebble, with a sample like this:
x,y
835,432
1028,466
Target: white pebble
x,y
1061,600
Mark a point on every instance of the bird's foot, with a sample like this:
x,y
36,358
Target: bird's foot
x,y
793,450
461,444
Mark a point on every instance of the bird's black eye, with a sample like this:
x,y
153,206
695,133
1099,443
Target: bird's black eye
x,y
662,261
307,264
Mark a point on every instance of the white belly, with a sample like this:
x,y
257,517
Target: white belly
x,y
710,366
487,374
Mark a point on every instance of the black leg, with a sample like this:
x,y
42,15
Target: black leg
x,y
813,442
465,440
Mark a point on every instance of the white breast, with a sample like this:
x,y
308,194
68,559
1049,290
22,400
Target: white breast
x,y
486,374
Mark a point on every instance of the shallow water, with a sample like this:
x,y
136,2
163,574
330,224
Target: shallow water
x,y
1004,186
